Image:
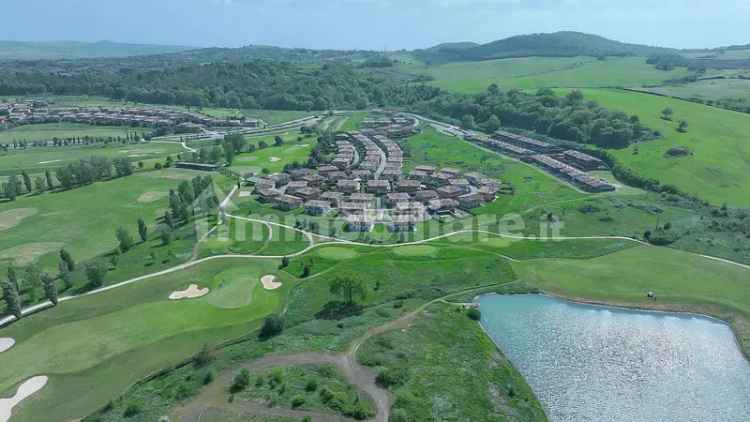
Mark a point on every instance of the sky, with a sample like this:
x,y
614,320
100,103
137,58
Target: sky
x,y
372,24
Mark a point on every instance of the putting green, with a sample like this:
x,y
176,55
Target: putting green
x,y
418,250
336,253
233,288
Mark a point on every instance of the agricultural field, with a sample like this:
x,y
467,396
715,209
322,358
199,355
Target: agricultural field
x,y
718,167
545,72
48,131
708,90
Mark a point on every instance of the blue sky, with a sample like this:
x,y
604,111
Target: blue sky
x,y
372,24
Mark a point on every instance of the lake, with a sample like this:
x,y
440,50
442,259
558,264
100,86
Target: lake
x,y
593,363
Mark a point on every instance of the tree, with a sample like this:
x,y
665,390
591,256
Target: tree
x,y
468,121
124,238
33,279
13,278
26,180
667,113
278,141
273,325
65,275
240,382
95,272
11,187
12,300
50,290
40,183
682,127
68,260
493,123
50,181
348,288
142,230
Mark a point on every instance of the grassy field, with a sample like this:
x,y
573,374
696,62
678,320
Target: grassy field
x,y
538,72
82,220
274,158
353,122
110,340
718,169
707,89
48,131
36,160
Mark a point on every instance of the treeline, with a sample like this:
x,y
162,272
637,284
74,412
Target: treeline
x,y
129,138
569,118
79,173
257,84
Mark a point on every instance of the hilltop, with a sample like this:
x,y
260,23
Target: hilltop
x,y
57,50
557,44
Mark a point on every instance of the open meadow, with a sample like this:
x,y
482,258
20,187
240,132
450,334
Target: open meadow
x,y
544,72
718,166
49,131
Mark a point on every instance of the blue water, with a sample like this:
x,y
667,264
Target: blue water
x,y
591,363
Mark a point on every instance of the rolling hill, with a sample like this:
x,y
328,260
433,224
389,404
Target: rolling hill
x,y
58,50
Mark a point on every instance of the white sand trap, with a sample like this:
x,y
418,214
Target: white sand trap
x,y
245,193
6,343
275,159
25,390
49,162
269,282
191,292
12,218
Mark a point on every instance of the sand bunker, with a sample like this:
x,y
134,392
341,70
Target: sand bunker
x,y
274,159
25,390
12,218
6,343
49,162
191,292
269,282
27,253
147,197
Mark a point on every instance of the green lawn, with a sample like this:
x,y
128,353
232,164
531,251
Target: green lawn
x,y
538,72
274,158
48,131
82,220
110,340
718,170
708,89
36,160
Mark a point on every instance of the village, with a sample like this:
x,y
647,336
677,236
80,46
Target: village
x,y
34,112
365,183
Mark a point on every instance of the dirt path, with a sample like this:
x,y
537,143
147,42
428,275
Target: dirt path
x,y
362,377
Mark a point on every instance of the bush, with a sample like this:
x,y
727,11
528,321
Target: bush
x,y
297,401
474,314
208,378
204,357
311,385
241,381
131,411
272,326
391,377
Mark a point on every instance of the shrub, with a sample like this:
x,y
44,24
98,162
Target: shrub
x,y
208,378
131,411
297,401
311,385
474,314
204,357
241,381
391,377
272,326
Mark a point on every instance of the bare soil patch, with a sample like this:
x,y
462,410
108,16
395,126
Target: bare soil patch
x,y
12,218
27,253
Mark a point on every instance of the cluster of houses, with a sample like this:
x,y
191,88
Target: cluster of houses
x,y
570,165
365,184
394,127
40,112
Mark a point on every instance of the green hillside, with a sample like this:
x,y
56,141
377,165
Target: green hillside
x,y
56,50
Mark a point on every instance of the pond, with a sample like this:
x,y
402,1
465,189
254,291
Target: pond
x,y
593,363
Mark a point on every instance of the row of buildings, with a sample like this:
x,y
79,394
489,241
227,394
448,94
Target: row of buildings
x,y
567,164
368,185
39,112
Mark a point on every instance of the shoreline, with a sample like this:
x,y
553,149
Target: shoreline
x,y
666,309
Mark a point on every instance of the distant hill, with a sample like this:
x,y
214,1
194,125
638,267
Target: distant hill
x,y
58,50
558,44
